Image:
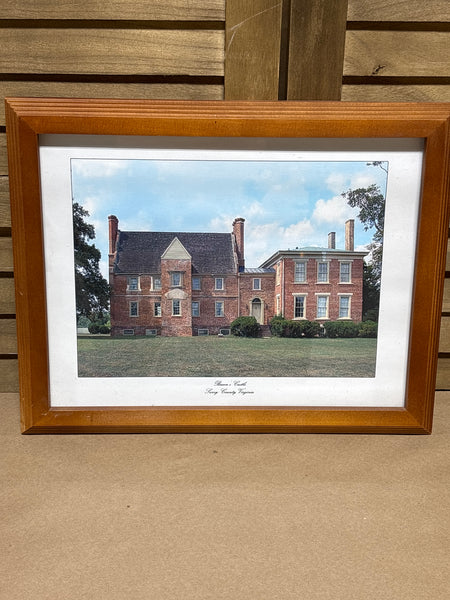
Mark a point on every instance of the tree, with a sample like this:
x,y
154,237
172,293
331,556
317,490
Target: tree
x,y
91,288
371,204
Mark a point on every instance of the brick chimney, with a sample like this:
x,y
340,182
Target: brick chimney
x,y
350,235
238,232
332,240
113,228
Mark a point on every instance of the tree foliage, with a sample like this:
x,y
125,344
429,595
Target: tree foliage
x,y
91,288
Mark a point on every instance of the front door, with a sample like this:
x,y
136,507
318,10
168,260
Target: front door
x,y
257,310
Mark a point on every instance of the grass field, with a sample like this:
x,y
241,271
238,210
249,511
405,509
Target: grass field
x,y
228,356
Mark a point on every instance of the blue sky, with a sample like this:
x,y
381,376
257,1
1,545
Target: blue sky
x,y
285,204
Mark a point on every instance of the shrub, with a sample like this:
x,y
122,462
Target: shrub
x,y
104,329
341,329
311,329
278,326
94,328
368,329
245,327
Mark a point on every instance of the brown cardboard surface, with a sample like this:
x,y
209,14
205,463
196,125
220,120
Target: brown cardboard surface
x,y
224,516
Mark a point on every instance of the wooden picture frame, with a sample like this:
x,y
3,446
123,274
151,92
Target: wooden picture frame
x,y
29,120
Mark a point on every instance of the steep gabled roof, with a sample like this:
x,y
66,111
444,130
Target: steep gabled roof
x,y
141,251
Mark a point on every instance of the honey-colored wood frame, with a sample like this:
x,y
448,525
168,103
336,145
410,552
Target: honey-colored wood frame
x,y
27,118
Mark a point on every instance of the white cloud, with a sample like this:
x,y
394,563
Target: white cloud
x,y
98,168
335,210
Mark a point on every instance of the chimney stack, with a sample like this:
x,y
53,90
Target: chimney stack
x,y
350,235
332,240
113,228
238,232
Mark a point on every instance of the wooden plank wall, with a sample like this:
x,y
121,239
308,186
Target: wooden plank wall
x,y
364,50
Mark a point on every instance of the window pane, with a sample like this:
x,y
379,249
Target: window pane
x,y
322,303
176,279
300,272
157,283
133,283
219,309
299,309
195,309
344,305
196,283
219,283
257,284
345,273
176,307
322,274
157,311
133,309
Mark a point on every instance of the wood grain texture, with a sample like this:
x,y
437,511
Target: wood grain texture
x,y
399,10
9,375
167,10
6,256
7,301
5,211
117,51
8,337
446,298
444,339
443,374
156,91
316,49
252,56
3,156
396,93
397,53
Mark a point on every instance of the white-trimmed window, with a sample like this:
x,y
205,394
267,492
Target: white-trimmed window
x,y
322,307
157,309
219,283
220,311
299,307
196,309
176,308
156,283
345,272
196,283
176,279
257,283
322,272
300,272
278,304
134,309
133,284
344,307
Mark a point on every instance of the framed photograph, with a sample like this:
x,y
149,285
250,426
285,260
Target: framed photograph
x,y
266,267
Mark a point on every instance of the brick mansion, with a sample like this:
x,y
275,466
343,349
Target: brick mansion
x,y
184,284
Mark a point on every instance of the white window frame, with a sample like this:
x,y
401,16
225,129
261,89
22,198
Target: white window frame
x,y
255,285
278,304
137,309
198,308
327,297
319,263
219,302
349,263
216,279
176,314
155,312
226,329
138,283
156,286
304,306
199,283
296,279
349,312
172,275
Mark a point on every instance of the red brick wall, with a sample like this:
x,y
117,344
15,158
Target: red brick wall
x,y
180,325
265,294
207,297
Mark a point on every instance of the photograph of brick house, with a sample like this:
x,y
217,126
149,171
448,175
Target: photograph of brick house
x,y
192,284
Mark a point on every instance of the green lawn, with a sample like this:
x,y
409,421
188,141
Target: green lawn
x,y
228,356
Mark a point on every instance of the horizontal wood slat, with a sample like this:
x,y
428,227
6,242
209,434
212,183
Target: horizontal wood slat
x,y
397,53
5,212
6,256
8,337
155,91
399,10
9,376
444,339
117,51
443,374
396,93
3,155
193,10
7,300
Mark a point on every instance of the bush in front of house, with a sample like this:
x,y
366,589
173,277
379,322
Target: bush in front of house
x,y
245,327
104,329
341,329
278,326
94,328
368,329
